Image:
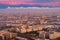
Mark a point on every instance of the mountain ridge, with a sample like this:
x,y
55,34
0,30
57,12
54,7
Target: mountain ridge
x,y
23,5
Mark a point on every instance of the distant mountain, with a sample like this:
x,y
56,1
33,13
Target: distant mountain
x,y
2,6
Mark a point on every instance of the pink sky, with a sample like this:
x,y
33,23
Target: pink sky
x,y
30,2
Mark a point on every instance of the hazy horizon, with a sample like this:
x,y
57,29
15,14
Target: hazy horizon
x,y
31,11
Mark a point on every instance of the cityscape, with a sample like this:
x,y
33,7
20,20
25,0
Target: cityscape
x,y
20,26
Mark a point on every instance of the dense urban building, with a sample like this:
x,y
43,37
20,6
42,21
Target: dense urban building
x,y
19,27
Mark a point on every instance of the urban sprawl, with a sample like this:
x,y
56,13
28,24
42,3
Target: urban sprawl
x,y
27,27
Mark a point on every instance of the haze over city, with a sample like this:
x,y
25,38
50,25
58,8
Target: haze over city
x,y
31,11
